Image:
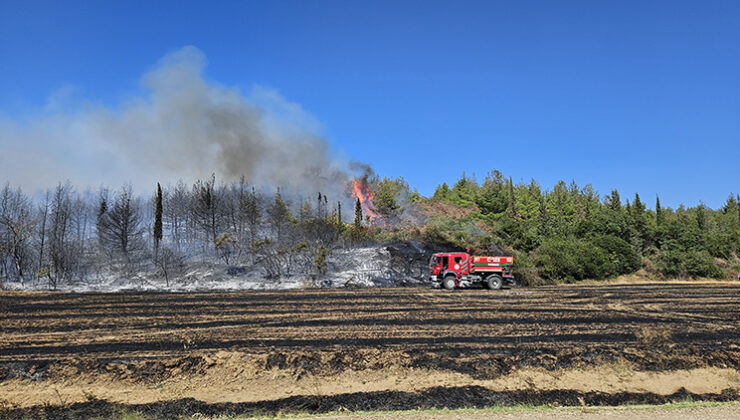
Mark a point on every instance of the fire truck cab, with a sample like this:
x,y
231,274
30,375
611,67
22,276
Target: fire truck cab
x,y
460,269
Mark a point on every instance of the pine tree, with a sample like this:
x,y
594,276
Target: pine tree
x,y
701,217
251,212
442,192
157,221
305,211
637,207
121,227
543,219
207,208
614,202
512,199
278,215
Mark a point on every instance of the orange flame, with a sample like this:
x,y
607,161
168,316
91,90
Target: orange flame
x,y
361,190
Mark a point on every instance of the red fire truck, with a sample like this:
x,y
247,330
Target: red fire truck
x,y
460,269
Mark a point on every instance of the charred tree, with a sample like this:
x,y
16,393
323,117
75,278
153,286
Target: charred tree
x,y
207,208
157,221
121,227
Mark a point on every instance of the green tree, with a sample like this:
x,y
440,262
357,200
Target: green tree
x,y
278,216
561,207
493,196
305,212
442,192
613,220
641,235
614,202
388,192
543,219
249,209
511,208
464,192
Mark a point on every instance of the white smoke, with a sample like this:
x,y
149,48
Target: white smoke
x,y
181,127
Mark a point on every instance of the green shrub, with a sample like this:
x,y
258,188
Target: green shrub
x,y
572,259
623,258
701,264
526,271
677,262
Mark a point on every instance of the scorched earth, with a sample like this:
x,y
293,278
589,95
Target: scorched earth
x,y
310,351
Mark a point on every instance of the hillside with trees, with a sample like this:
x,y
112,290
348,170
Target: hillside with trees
x,y
564,234
571,233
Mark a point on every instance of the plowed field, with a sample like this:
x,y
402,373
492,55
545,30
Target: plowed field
x,y
322,350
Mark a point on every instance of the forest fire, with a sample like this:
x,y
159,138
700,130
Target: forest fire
x,y
362,191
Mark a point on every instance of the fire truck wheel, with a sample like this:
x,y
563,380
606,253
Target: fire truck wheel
x,y
494,282
449,282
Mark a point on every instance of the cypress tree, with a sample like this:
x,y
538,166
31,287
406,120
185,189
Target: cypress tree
x,y
658,212
358,215
157,221
339,211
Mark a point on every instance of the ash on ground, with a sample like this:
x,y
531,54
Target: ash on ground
x,y
401,264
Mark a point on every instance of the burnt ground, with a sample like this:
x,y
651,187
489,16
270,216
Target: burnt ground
x,y
156,338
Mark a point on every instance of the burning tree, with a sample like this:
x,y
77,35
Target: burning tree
x,y
364,195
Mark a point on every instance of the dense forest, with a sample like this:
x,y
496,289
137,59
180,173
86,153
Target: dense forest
x,y
568,233
572,233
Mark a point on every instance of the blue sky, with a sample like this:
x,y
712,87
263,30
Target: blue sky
x,y
640,96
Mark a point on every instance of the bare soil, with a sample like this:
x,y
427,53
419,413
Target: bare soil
x,y
65,355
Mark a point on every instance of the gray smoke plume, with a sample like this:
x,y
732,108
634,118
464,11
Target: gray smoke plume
x,y
181,127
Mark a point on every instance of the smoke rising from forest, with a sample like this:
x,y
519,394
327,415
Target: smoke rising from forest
x,y
182,126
